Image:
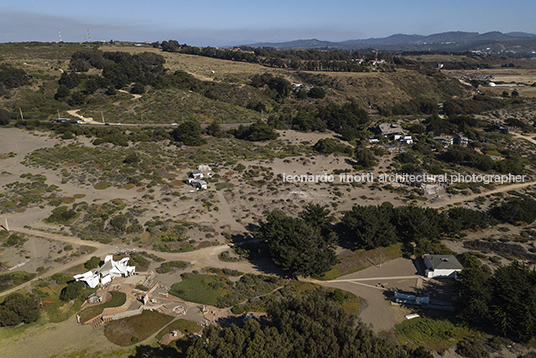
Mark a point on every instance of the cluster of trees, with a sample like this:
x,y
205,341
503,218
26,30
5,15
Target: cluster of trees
x,y
92,263
305,245
414,106
369,227
330,145
61,215
453,124
503,302
11,77
5,117
256,132
82,61
18,308
515,210
476,104
279,88
119,70
348,119
189,133
311,326
73,290
385,223
301,246
469,157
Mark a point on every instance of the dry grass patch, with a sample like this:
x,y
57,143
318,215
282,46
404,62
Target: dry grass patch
x,y
68,200
182,325
125,332
79,196
361,259
129,186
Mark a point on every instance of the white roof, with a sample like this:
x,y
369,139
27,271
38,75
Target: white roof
x,y
106,272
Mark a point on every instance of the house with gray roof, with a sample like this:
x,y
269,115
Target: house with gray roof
x,y
387,129
442,266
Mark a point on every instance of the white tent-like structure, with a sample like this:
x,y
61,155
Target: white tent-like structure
x,y
107,272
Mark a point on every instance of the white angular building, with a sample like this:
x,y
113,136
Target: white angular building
x,y
107,272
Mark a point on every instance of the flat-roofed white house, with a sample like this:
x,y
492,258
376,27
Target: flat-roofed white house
x,y
442,266
107,272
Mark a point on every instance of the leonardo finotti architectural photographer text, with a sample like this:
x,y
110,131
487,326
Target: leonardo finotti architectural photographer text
x,y
406,178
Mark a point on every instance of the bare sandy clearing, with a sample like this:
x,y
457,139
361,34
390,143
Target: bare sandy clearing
x,y
374,309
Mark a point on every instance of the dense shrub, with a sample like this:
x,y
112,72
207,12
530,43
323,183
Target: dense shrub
x,y
18,308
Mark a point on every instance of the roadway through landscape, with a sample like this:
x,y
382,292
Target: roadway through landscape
x,y
374,309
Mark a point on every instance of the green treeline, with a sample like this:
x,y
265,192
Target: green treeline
x,y
296,59
305,245
502,303
348,119
312,326
368,227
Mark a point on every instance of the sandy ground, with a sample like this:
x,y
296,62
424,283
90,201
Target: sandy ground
x,y
375,309
236,212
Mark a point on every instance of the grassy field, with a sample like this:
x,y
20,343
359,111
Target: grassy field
x,y
127,331
118,299
361,259
204,289
436,334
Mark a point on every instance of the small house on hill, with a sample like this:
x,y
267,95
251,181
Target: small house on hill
x,y
387,129
460,140
442,266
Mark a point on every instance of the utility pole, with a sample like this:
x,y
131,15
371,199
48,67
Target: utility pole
x,y
7,226
21,117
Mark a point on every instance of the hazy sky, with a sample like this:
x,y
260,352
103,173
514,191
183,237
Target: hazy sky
x,y
228,22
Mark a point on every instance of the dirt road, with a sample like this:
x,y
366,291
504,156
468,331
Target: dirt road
x,y
226,213
202,258
527,138
372,284
457,199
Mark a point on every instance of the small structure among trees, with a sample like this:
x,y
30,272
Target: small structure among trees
x,y
442,266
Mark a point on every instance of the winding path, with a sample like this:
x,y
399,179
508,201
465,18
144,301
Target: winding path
x,y
202,258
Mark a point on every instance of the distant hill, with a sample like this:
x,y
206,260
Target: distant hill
x,y
492,42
